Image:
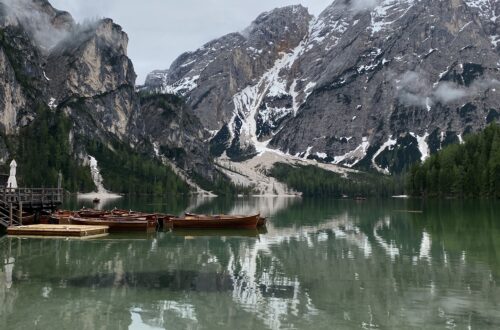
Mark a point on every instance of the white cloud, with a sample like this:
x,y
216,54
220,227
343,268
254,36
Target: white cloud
x,y
38,22
447,92
415,89
362,5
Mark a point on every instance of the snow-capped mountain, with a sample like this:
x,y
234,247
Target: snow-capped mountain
x,y
377,84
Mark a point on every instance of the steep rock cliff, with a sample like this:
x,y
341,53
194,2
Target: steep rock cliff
x,y
47,61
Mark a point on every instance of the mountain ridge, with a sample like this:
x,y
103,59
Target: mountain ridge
x,y
359,88
374,86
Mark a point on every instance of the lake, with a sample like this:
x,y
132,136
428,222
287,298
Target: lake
x,y
322,264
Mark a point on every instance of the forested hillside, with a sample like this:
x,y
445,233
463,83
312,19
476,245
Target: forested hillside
x,y
471,169
315,181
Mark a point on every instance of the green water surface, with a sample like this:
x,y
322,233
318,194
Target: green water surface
x,y
322,264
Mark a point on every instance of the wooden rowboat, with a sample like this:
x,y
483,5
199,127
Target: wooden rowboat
x,y
202,222
88,213
261,223
118,223
61,217
28,218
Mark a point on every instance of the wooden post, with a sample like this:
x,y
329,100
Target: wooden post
x,y
10,214
21,213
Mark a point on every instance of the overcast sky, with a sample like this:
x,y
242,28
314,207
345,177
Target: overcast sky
x,y
160,30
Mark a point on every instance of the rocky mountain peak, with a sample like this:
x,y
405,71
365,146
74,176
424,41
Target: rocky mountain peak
x,y
112,34
282,25
214,73
366,83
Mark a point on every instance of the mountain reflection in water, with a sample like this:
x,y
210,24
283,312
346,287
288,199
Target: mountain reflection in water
x,y
322,264
180,280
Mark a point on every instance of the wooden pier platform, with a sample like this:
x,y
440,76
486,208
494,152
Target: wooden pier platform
x,y
58,230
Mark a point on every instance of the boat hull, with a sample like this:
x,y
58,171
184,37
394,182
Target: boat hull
x,y
200,222
117,224
260,223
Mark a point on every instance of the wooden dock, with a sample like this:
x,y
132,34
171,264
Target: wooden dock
x,y
58,230
13,202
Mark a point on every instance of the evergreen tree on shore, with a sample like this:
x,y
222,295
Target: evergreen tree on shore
x,y
471,169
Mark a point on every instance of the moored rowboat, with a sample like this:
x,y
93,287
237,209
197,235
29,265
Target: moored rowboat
x,y
260,223
61,217
216,222
118,223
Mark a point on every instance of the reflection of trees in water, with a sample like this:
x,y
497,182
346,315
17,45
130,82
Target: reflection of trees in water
x,y
405,273
327,262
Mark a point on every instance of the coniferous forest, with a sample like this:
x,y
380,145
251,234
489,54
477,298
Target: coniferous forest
x,y
315,181
471,169
43,149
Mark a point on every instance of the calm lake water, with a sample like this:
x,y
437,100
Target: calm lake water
x,y
323,264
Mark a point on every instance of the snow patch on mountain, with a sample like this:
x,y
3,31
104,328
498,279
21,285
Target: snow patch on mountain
x,y
355,156
101,192
423,147
247,103
486,8
388,144
182,87
387,13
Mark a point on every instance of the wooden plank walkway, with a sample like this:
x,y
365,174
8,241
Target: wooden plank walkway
x,y
58,230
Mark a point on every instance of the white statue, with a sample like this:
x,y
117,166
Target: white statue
x,y
12,182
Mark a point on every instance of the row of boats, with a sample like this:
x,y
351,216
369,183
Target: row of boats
x,y
122,220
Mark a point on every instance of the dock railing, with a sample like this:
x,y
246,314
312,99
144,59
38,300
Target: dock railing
x,y
9,215
32,197
14,201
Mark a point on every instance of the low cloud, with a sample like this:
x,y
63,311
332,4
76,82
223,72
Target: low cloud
x,y
39,20
415,89
363,5
447,92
